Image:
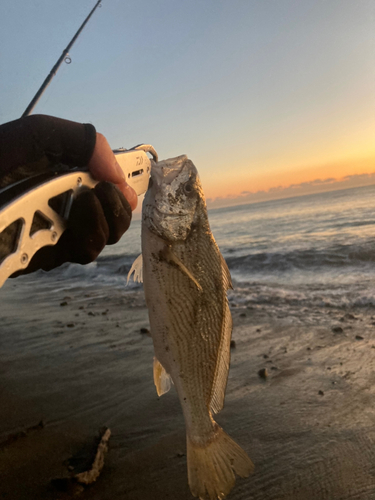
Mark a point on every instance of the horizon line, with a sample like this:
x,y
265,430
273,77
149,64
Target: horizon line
x,y
315,186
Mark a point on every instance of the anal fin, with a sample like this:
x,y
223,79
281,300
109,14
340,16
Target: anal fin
x,y
162,380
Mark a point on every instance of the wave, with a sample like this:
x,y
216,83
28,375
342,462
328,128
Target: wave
x,y
115,268
250,294
106,271
338,263
255,282
337,256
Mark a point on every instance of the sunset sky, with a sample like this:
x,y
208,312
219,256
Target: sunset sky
x,y
260,94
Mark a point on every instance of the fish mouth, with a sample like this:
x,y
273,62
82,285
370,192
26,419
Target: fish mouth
x,y
167,170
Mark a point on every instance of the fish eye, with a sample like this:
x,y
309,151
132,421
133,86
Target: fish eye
x,y
188,188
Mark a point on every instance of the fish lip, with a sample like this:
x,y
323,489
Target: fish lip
x,y
161,172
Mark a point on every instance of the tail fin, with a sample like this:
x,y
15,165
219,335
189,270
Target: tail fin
x,y
211,469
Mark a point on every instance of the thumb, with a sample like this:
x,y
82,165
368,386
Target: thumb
x,y
104,167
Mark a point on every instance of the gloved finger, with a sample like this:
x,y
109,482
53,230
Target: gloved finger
x,y
45,258
116,209
88,230
129,194
83,240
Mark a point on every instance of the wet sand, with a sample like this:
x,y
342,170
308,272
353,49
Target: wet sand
x,y
76,360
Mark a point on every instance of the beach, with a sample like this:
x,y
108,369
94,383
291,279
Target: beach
x,y
77,360
76,356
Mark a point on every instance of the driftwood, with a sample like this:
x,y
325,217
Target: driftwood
x,y
89,461
90,476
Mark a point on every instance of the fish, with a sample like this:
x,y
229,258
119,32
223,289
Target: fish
x,y
185,280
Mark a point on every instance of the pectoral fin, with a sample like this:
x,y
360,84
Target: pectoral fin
x,y
137,269
168,255
162,380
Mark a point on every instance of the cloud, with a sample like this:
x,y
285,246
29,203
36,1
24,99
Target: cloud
x,y
359,176
315,182
275,189
303,188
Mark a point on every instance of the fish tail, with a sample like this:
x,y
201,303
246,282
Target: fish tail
x,y
212,468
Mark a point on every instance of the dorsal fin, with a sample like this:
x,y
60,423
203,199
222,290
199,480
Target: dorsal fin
x,y
222,364
227,280
223,359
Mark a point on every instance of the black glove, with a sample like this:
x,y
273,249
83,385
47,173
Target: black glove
x,y
98,217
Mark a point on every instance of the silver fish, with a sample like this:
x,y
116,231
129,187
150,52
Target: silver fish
x,y
185,282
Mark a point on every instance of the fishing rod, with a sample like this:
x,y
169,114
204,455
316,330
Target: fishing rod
x,y
22,201
64,57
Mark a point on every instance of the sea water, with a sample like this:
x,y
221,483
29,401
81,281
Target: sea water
x,y
310,250
317,248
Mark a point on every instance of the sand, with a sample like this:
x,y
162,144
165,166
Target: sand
x,y
75,359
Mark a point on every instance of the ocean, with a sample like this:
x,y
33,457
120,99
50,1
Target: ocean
x,y
317,249
74,353
314,250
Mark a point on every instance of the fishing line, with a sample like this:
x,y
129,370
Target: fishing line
x,y
65,57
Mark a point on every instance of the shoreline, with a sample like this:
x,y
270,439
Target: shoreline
x,y
76,359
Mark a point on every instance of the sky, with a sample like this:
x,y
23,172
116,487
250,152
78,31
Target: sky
x,y
268,98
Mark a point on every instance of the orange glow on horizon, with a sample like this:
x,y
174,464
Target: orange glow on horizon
x,y
232,185
229,184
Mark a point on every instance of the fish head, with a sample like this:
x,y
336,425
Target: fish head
x,y
173,198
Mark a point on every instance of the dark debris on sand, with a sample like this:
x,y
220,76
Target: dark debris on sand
x,y
21,434
85,466
263,373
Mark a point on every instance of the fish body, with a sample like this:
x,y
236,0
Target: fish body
x,y
185,282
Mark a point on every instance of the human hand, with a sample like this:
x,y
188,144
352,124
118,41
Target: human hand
x,y
104,167
98,217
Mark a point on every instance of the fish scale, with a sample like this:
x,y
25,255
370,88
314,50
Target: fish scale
x,y
190,331
185,283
